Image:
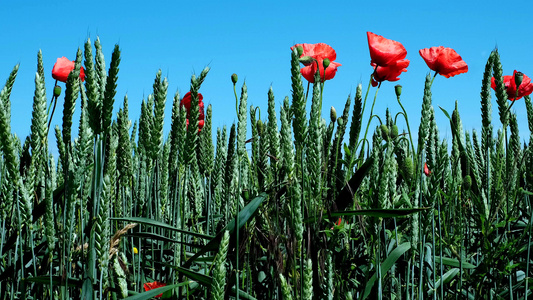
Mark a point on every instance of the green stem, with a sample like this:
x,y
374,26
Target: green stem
x,y
370,119
407,123
236,100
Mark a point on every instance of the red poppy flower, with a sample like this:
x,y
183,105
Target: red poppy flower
x,y
186,102
444,61
385,52
154,285
63,67
526,87
319,52
426,170
387,58
389,73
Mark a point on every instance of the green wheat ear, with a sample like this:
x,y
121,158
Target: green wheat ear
x,y
286,289
8,147
501,94
218,285
218,171
423,130
228,206
242,155
160,87
314,150
207,151
6,91
486,107
308,281
110,90
298,109
71,94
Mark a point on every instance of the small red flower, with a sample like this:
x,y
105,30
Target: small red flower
x,y
319,52
154,285
526,87
444,61
186,102
387,58
426,170
63,67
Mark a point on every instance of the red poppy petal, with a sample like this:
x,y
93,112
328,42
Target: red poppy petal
x,y
62,69
444,61
384,52
323,51
331,70
308,72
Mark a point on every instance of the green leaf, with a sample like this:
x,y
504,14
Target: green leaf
x,y
242,294
345,197
447,277
453,262
163,226
381,213
386,265
244,215
200,278
56,280
152,293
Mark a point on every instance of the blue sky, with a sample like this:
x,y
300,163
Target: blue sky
x,y
253,39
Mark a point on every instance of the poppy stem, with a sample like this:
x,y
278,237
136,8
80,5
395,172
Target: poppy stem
x,y
307,92
370,118
236,100
434,75
407,123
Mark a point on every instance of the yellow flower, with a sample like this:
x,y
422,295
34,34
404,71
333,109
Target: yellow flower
x,y
135,251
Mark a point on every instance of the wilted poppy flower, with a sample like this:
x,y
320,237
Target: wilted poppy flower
x,y
63,67
387,58
154,285
444,61
525,88
186,102
318,52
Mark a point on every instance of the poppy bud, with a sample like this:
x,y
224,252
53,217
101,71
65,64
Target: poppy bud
x,y
394,131
398,90
384,131
57,91
234,78
340,121
333,114
325,63
518,77
306,60
407,168
467,182
300,50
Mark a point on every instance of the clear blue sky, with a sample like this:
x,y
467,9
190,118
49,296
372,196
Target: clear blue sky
x,y
252,39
